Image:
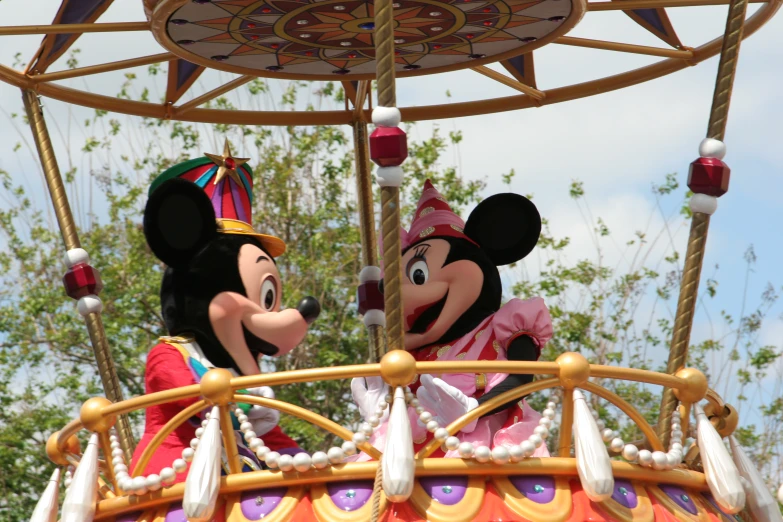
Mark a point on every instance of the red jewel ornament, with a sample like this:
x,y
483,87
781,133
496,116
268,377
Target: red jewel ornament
x,y
369,297
388,146
81,280
709,176
230,163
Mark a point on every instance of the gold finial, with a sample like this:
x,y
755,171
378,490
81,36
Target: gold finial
x,y
227,163
398,368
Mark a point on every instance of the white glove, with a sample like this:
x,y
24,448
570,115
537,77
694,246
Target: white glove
x,y
445,402
368,396
263,419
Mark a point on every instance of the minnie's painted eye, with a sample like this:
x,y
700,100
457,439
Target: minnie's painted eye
x,y
418,272
268,293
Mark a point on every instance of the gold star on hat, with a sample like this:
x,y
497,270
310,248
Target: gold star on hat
x,y
227,163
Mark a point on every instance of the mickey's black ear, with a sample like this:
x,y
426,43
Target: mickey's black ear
x,y
179,220
506,227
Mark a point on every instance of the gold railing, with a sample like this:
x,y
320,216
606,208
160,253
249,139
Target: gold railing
x,y
398,368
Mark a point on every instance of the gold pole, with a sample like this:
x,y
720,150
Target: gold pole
x,y
390,206
214,93
62,211
366,210
511,82
694,255
105,67
74,28
624,47
390,196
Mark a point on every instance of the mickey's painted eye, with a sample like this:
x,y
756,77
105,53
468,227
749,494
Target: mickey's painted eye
x,y
268,293
418,272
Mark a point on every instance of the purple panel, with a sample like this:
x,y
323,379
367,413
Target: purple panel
x,y
259,503
625,494
680,497
75,12
651,17
518,63
129,517
175,514
240,208
217,198
185,70
445,490
351,495
537,489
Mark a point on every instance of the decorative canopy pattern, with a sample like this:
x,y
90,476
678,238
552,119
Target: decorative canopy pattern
x,y
335,37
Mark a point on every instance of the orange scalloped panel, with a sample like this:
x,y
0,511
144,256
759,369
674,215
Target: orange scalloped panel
x,y
448,498
494,509
678,503
270,504
584,509
536,498
344,501
402,512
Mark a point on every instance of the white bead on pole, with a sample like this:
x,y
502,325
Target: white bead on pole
x,y
203,482
398,463
712,148
374,317
703,203
82,496
389,176
89,304
370,273
592,460
386,116
75,256
46,508
722,475
759,500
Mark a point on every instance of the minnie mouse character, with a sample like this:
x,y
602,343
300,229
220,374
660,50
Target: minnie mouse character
x,y
220,297
451,295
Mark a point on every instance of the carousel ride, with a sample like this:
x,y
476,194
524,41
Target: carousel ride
x,y
681,470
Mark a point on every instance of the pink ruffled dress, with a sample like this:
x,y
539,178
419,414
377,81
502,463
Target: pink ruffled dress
x,y
488,342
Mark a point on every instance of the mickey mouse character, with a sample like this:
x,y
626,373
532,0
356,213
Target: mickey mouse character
x,y
220,297
451,295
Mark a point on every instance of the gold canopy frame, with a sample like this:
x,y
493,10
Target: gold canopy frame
x,y
675,59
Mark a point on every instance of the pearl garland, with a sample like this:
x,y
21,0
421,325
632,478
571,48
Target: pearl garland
x,y
498,454
301,462
657,460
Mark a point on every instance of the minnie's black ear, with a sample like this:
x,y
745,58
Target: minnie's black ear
x,y
506,227
179,220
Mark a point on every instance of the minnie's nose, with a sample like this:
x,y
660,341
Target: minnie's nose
x,y
310,308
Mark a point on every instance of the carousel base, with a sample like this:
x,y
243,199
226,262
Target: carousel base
x,y
535,490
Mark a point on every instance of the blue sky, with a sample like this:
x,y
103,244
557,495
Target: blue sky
x,y
617,143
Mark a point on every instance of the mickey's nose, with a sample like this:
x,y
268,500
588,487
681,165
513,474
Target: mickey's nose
x,y
309,307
